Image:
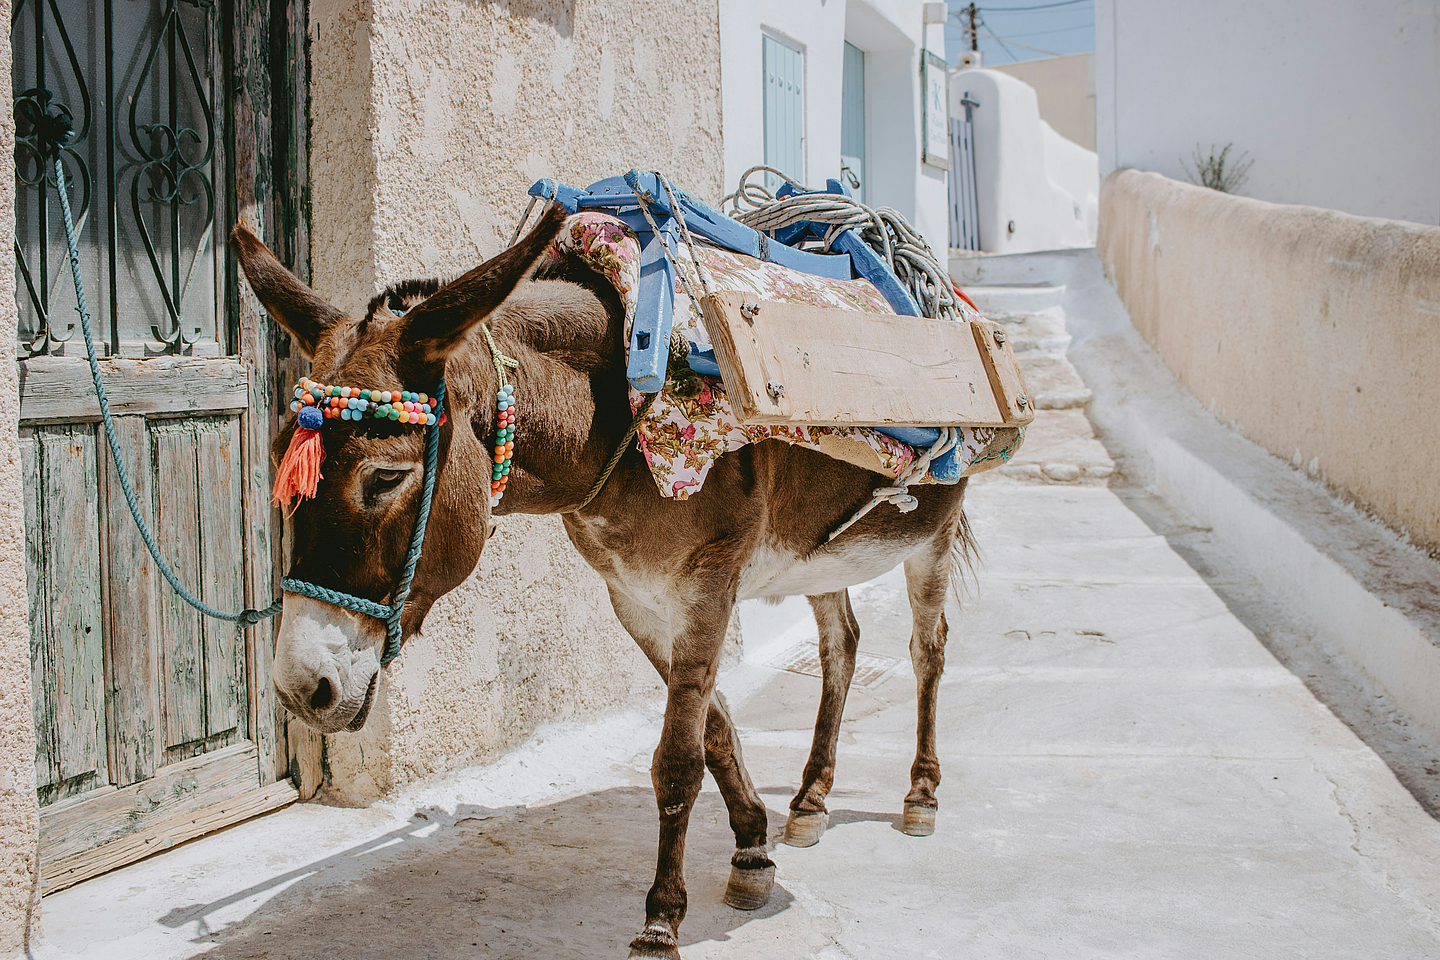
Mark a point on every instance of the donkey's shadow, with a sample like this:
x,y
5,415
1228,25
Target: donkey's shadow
x,y
567,879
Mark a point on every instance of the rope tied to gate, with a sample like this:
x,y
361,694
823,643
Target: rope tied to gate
x,y
57,134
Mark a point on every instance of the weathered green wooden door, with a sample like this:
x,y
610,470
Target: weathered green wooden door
x,y
153,724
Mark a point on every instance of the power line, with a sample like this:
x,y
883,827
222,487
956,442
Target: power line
x,y
1042,33
1024,46
1046,6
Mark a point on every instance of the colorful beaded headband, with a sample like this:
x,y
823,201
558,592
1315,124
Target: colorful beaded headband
x,y
356,403
314,403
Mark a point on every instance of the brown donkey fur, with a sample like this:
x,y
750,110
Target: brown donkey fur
x,y
675,568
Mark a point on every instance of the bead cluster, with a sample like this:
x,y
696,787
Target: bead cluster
x,y
505,412
356,403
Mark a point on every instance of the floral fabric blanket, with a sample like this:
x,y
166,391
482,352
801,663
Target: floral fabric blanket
x,y
682,438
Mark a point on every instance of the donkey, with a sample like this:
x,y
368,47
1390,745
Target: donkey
x,y
674,569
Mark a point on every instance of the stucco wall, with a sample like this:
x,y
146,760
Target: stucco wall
x,y
19,815
1335,100
1315,333
429,122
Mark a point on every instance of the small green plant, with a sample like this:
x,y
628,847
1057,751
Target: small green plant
x,y
1217,170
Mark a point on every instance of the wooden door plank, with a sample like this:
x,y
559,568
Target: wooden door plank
x,y
133,583
177,519
269,89
222,572
60,389
181,827
796,363
69,516
41,661
88,835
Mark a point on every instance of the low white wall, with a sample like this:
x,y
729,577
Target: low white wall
x,y
1337,101
1313,332
892,34
1026,174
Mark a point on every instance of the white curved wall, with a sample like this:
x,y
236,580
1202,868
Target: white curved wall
x,y
1026,174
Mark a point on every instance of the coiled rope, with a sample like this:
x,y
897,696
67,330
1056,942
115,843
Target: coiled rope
x,y
882,229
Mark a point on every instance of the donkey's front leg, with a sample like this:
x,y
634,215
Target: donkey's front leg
x,y
679,767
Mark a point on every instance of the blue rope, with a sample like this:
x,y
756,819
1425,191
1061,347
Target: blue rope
x,y
247,616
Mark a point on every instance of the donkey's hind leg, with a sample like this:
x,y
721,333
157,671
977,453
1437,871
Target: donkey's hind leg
x,y
927,579
839,637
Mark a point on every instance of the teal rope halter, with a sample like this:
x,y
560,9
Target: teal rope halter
x,y
390,614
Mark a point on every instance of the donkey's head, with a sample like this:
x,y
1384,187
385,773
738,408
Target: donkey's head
x,y
354,536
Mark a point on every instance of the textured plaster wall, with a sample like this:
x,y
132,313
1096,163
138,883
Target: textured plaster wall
x,y
19,816
1315,333
429,122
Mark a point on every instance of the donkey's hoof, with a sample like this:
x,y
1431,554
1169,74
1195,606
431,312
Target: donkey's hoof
x,y
805,829
656,942
919,820
749,889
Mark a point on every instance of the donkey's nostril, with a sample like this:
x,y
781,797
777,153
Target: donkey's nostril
x,y
323,695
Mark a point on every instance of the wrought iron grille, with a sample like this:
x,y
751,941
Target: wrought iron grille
x,y
141,80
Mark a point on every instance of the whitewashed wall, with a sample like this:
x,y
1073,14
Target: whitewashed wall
x,y
893,35
1337,101
1035,190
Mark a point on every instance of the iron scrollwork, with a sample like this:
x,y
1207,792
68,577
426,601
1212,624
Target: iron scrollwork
x,y
34,168
168,178
163,154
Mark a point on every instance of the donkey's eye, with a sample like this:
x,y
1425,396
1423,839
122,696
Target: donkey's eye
x,y
388,478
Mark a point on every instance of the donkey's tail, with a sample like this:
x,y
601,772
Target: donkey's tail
x,y
964,556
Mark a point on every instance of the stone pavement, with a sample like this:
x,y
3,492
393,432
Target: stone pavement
x,y
1128,772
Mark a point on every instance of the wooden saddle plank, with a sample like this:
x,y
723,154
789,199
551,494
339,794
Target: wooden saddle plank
x,y
802,364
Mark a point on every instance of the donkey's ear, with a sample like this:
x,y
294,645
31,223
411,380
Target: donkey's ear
x,y
293,305
435,328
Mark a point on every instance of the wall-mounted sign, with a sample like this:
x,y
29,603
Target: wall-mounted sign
x,y
935,110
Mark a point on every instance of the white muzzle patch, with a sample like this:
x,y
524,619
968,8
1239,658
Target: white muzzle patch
x,y
327,663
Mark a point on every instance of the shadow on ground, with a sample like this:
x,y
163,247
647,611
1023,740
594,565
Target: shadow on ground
x,y
567,879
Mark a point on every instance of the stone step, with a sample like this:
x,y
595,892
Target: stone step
x,y
1052,382
1013,299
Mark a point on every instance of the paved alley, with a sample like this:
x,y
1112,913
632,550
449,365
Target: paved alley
x,y
1128,772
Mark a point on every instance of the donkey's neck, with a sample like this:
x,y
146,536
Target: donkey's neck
x,y
569,389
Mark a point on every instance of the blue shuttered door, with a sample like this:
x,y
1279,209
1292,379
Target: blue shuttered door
x,y
784,110
852,121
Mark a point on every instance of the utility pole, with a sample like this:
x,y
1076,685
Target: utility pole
x,y
973,12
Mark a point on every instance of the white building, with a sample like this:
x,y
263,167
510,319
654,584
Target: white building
x,y
1337,102
810,86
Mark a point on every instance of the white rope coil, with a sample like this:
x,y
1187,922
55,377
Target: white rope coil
x,y
884,230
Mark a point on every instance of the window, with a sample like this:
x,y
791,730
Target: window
x,y
141,80
852,121
784,67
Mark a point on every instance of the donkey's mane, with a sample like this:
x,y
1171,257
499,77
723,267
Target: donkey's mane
x,y
402,296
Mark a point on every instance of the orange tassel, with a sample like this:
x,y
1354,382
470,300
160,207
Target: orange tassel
x,y
299,472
